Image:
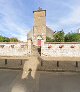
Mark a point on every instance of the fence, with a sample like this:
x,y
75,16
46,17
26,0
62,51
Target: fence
x,y
61,50
15,49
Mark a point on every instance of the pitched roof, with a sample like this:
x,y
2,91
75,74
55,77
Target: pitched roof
x,y
49,32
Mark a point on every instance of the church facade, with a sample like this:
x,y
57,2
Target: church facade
x,y
40,31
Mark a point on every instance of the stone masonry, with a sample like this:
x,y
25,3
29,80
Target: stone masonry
x,y
61,50
39,28
15,49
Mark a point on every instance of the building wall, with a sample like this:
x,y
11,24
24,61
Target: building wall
x,y
39,28
39,25
15,49
49,32
61,50
79,30
40,18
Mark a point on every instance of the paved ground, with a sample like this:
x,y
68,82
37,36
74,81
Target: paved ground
x,y
11,81
59,82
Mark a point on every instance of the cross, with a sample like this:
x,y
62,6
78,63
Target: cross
x,y
40,9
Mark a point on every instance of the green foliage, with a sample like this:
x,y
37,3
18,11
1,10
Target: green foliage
x,y
72,37
48,39
1,38
6,39
59,36
13,39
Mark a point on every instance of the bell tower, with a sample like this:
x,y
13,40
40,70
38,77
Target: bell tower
x,y
39,29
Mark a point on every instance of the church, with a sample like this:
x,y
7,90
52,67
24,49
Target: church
x,y
39,31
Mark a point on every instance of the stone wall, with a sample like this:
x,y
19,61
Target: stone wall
x,y
62,66
15,49
61,50
39,26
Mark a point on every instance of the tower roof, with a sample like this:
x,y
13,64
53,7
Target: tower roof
x,y
39,10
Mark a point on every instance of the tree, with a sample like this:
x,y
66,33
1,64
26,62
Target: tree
x,y
6,39
72,37
1,38
59,36
48,39
13,39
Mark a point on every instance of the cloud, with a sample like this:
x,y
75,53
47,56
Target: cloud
x,y
13,21
63,14
16,16
73,17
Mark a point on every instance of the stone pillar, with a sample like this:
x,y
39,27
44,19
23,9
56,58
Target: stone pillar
x,y
42,46
29,47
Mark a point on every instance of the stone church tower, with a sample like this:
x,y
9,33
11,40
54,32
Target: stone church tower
x,y
39,29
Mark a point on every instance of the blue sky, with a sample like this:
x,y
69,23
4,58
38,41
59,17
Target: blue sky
x,y
17,19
